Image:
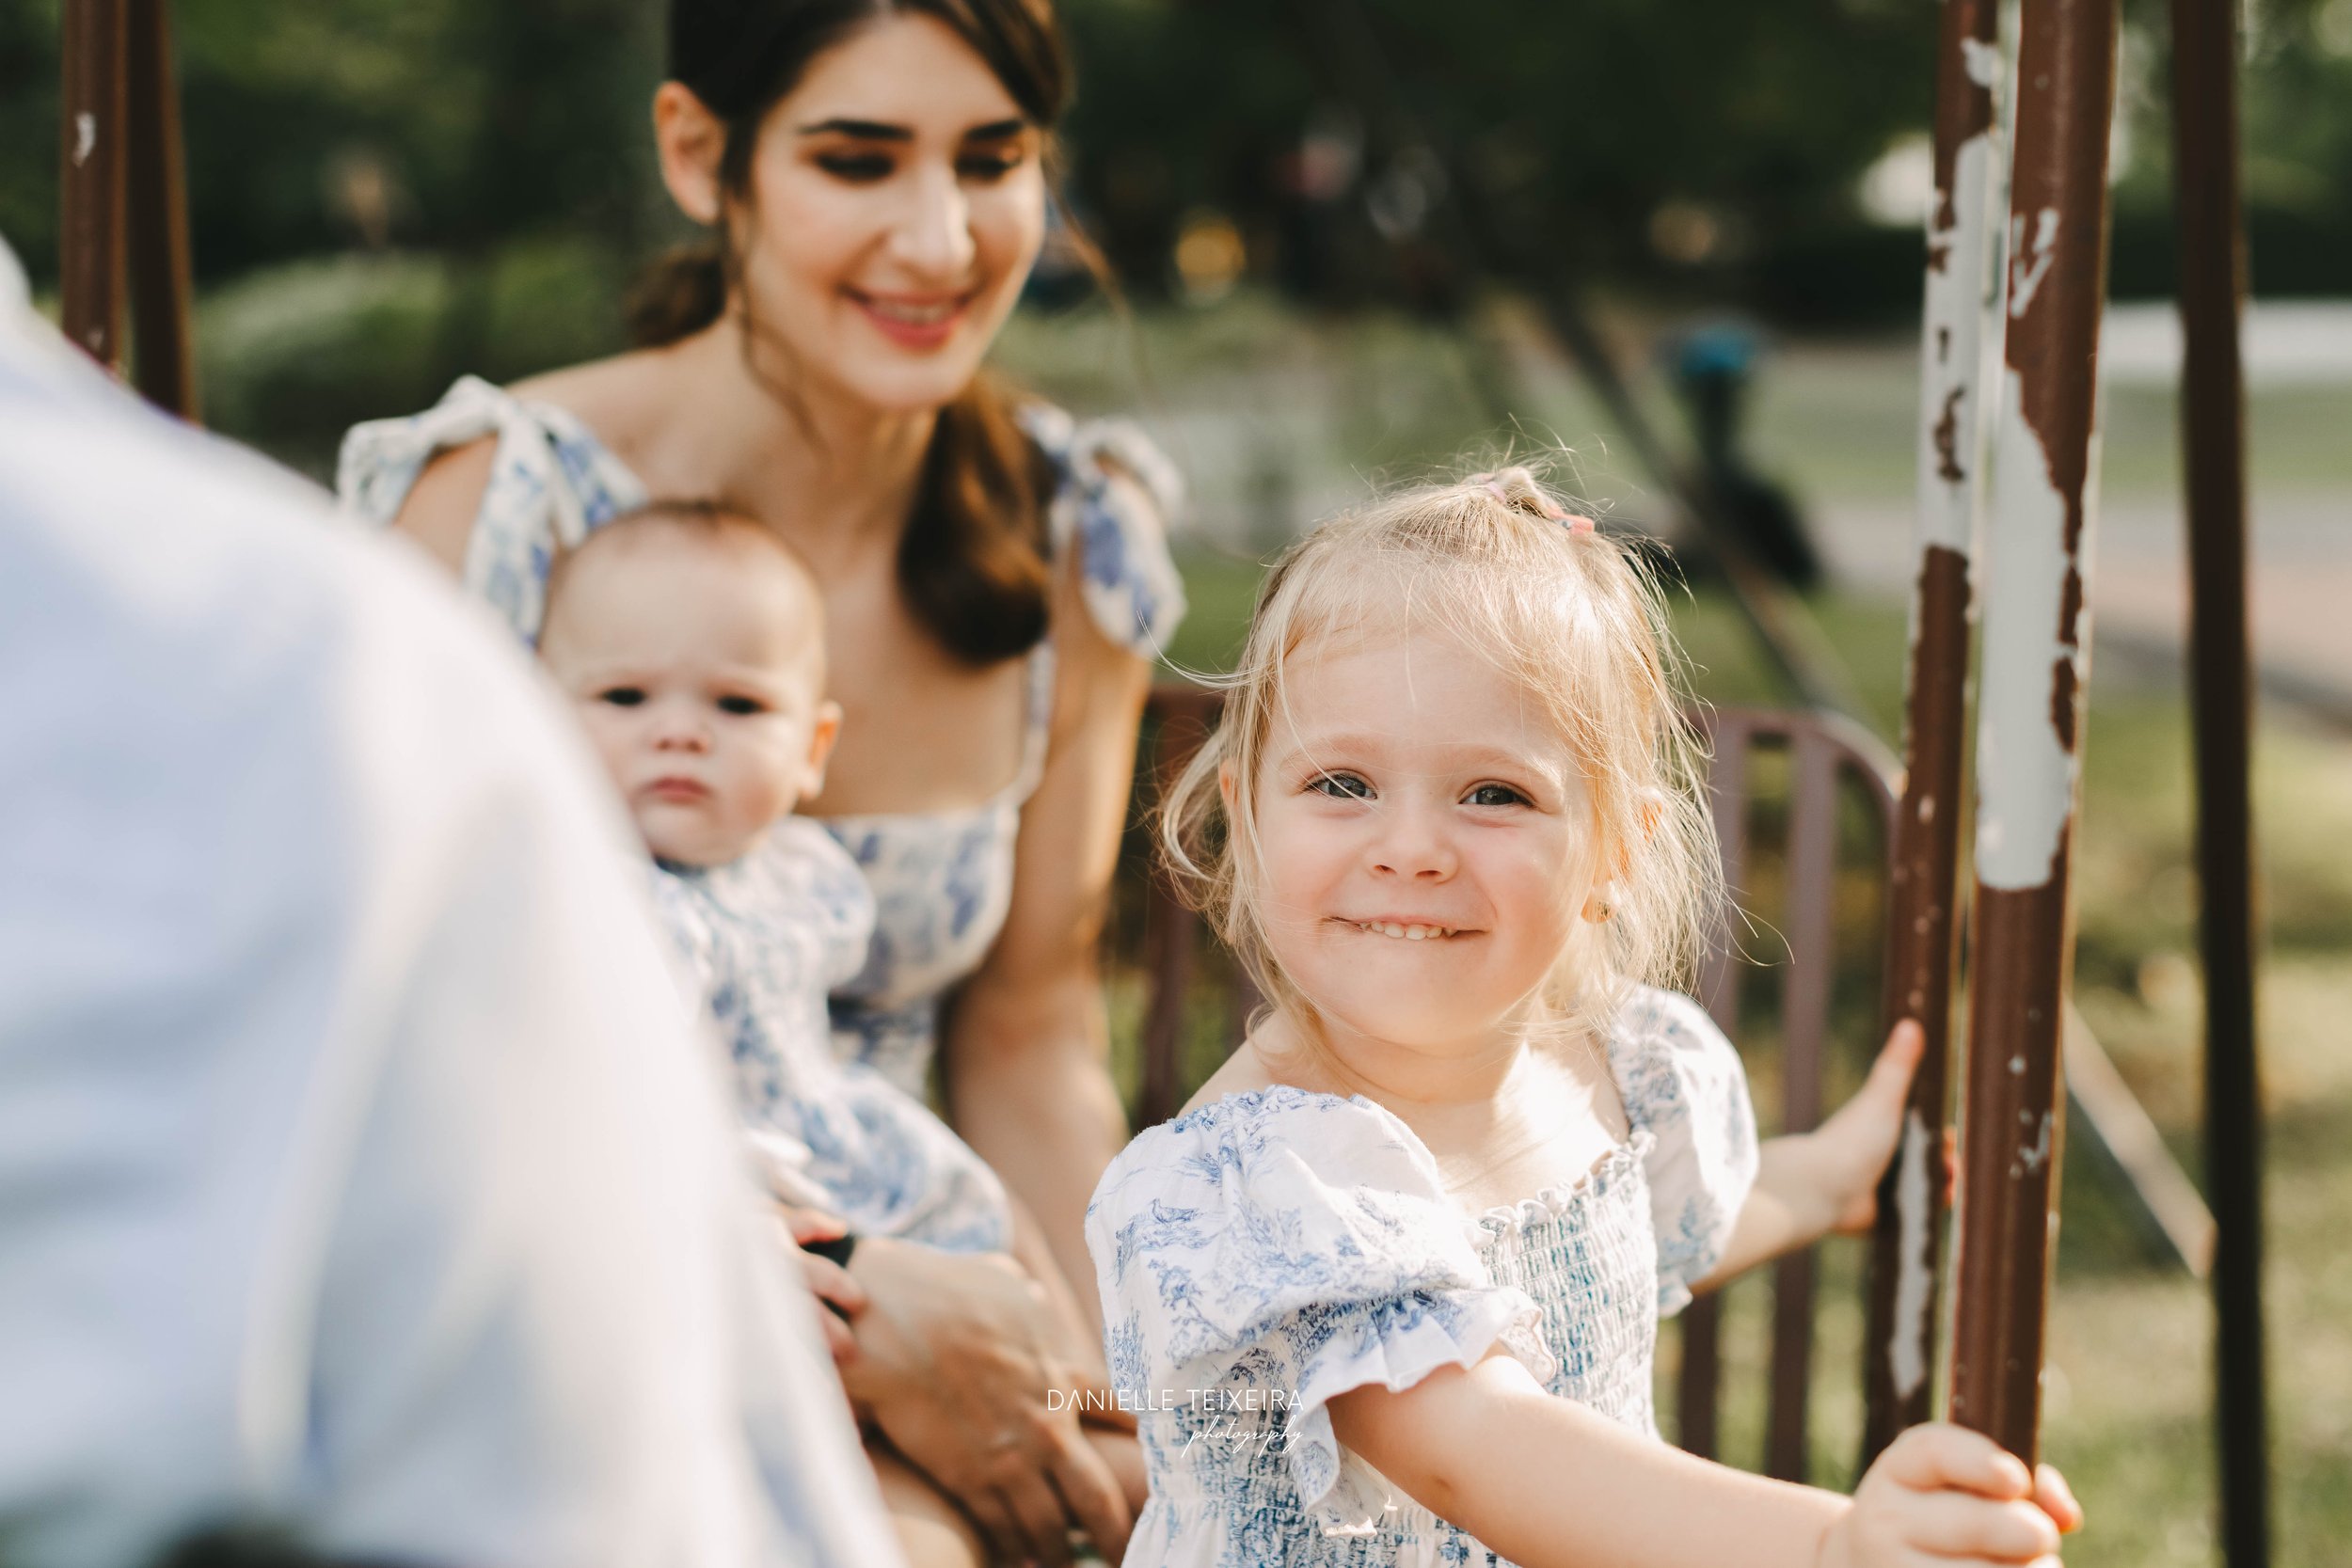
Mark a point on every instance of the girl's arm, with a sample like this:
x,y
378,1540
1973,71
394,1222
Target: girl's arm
x,y
1028,1045
1809,1184
1548,1482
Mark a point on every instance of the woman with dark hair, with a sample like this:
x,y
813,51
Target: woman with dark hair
x,y
995,583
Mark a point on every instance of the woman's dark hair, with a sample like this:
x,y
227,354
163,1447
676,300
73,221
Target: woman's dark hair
x,y
972,563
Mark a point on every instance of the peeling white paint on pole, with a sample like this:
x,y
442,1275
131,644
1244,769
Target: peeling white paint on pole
x,y
2025,768
1952,426
1914,1281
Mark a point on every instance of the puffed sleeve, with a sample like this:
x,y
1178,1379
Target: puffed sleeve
x,y
1682,1080
1300,1244
550,481
1131,585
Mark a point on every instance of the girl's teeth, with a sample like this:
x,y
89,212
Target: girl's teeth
x,y
1410,933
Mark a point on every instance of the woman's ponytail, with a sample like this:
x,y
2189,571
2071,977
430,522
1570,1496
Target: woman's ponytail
x,y
683,291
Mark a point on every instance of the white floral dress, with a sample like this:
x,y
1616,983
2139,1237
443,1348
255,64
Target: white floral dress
x,y
1268,1252
942,880
764,938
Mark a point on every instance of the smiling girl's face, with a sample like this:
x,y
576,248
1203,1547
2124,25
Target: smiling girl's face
x,y
1426,847
897,204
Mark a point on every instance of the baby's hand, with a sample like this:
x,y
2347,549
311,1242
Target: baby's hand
x,y
1947,1497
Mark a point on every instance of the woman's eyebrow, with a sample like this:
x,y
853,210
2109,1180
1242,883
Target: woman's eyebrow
x,y
864,130
875,130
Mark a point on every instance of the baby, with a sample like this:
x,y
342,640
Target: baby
x,y
692,641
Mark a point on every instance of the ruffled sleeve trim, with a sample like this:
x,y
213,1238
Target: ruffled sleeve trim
x,y
1682,1081
550,481
1394,1343
1298,1241
1131,584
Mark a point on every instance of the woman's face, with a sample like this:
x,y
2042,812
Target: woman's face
x,y
897,204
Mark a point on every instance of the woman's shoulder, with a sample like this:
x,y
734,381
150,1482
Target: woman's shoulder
x,y
1114,496
548,478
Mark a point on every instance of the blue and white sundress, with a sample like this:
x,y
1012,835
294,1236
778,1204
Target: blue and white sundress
x,y
1270,1251
942,880
764,938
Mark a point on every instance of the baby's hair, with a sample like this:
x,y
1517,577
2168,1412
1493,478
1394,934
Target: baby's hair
x,y
1571,614
708,522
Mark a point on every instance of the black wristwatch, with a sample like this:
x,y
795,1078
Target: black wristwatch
x,y
838,1250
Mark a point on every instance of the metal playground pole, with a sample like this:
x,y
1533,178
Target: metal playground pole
x,y
2211,244
95,39
2029,712
1963,294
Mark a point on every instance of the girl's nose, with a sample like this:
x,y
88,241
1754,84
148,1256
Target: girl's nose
x,y
1416,847
934,236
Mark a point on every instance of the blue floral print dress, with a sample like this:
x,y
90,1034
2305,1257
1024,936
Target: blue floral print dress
x,y
764,938
942,880
1268,1252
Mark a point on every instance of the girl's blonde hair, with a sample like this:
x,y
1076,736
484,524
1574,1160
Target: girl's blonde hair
x,y
1575,619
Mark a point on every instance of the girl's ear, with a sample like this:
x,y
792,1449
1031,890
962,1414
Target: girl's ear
x,y
689,142
1224,784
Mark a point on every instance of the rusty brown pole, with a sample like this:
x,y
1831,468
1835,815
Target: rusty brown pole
x,y
2029,712
90,184
1963,294
156,185
2211,240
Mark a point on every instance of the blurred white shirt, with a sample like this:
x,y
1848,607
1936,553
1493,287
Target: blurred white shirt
x,y
357,1167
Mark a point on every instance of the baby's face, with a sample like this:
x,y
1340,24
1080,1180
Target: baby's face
x,y
698,672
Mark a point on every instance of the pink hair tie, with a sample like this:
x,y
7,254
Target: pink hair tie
x,y
1544,504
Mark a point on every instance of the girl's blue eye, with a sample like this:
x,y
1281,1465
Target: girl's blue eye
x,y
622,696
741,707
1341,787
1495,795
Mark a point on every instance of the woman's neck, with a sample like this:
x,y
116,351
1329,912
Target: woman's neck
x,y
834,475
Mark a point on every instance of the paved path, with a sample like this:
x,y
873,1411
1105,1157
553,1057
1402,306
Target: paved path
x,y
2301,580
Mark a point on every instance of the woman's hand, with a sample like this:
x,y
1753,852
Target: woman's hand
x,y
1946,1497
828,1280
957,1354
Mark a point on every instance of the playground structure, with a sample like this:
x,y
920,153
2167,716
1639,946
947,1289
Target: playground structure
x,y
2031,287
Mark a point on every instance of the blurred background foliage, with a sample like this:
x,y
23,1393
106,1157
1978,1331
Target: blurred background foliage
x,y
481,177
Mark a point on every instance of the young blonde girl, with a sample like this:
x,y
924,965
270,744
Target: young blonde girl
x,y
1388,1290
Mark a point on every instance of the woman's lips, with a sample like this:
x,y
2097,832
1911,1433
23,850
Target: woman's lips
x,y
924,321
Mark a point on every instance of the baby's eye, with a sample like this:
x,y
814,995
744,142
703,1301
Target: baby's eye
x,y
742,705
1494,795
1341,787
622,696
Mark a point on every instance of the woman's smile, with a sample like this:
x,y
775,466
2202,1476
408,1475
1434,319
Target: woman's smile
x,y
923,321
